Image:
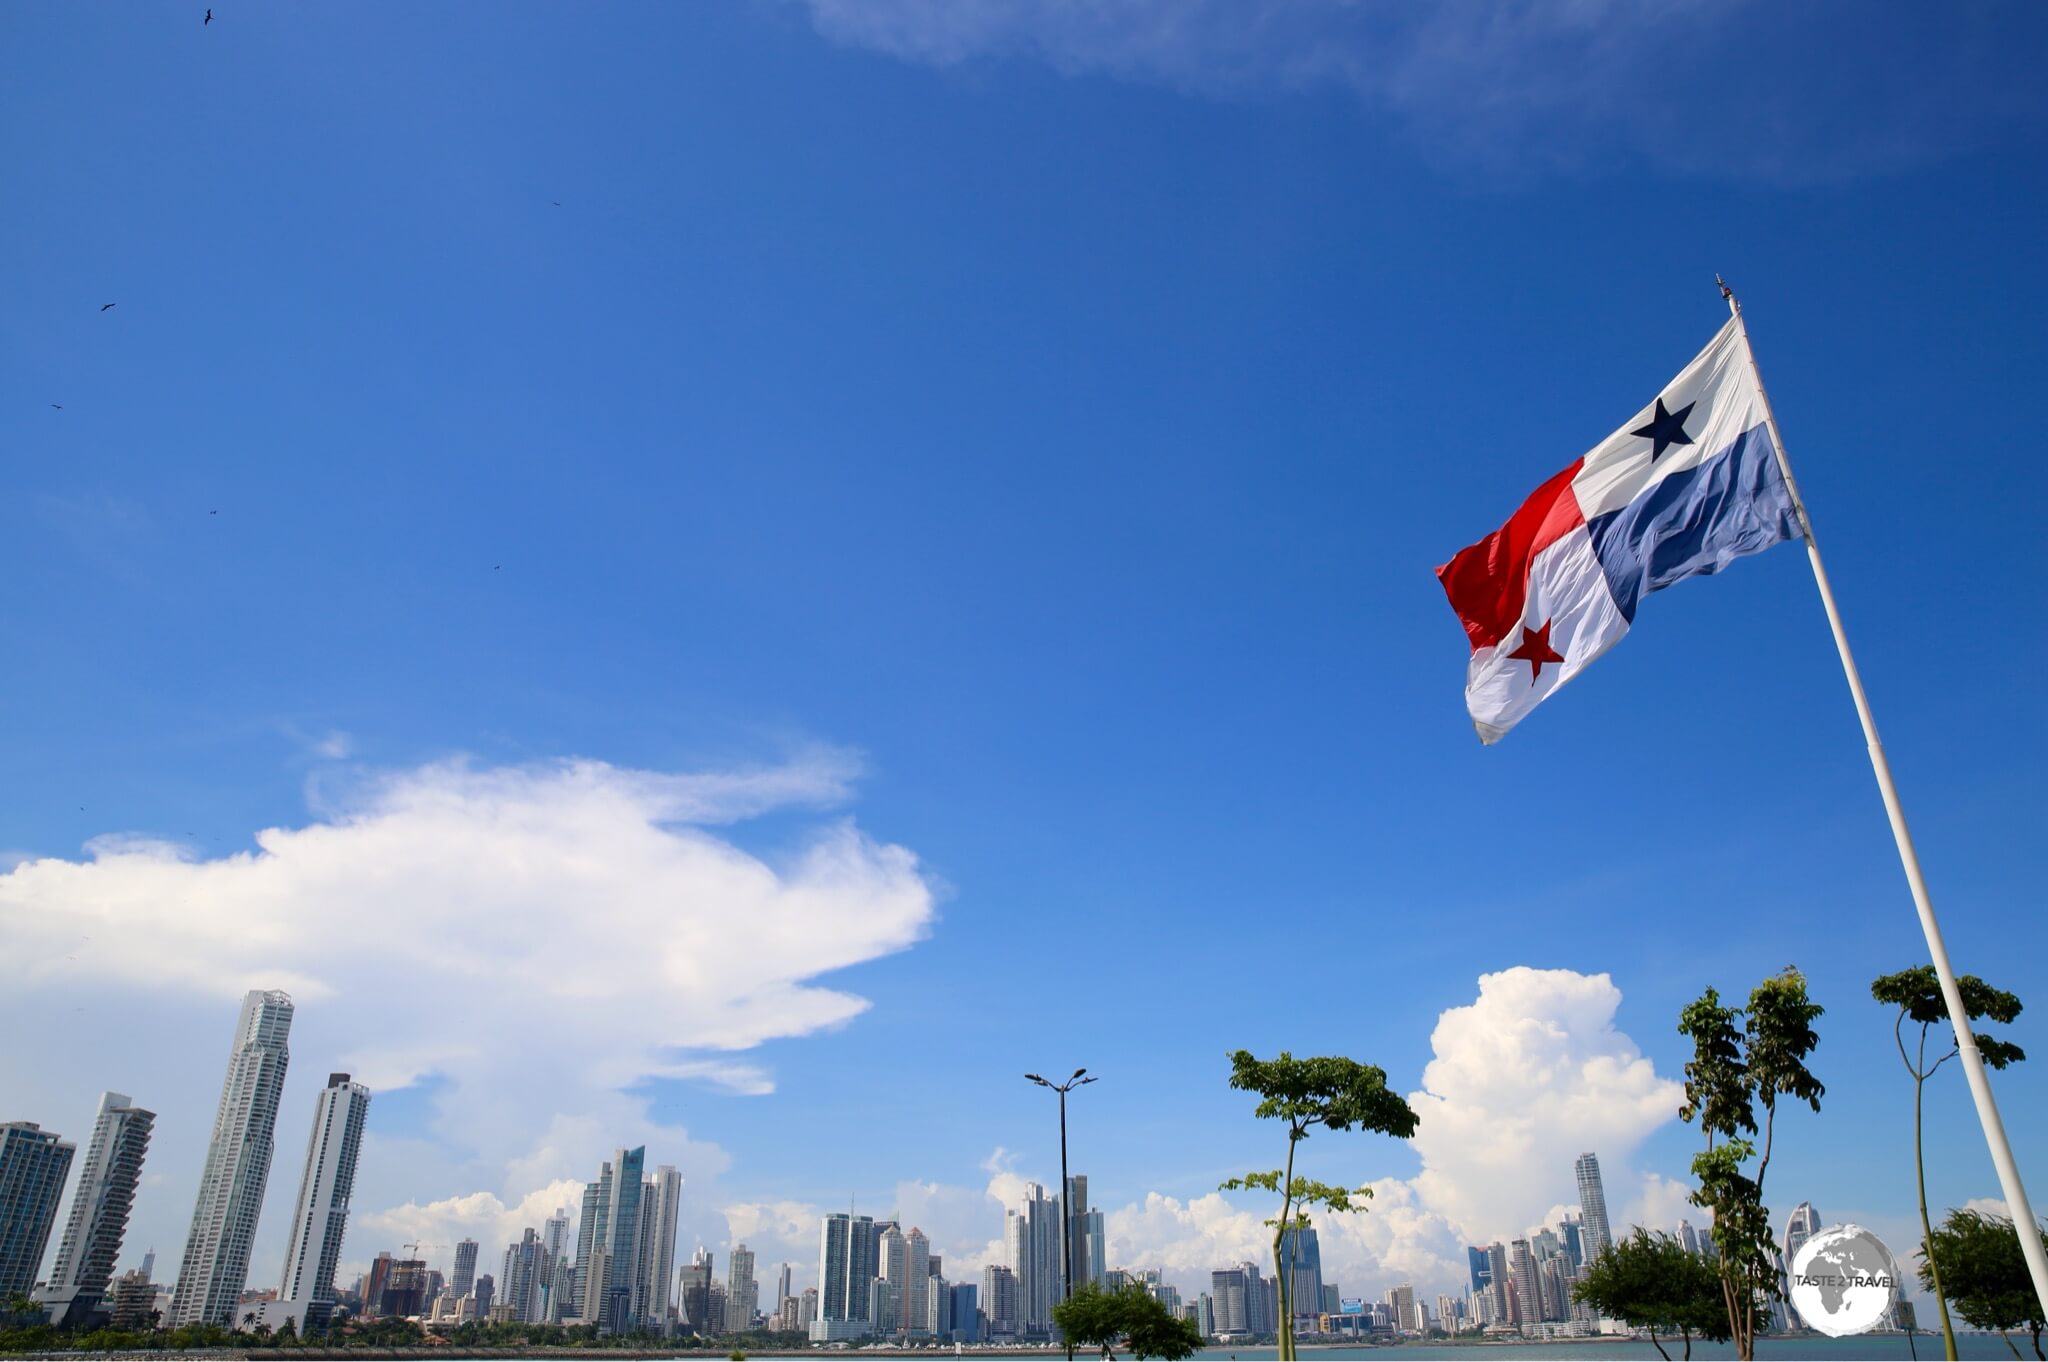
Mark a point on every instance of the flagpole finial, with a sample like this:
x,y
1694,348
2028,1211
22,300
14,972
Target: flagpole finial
x,y
1726,292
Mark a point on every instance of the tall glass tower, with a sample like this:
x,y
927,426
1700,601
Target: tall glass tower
x,y
216,1262
33,1164
321,1216
99,1208
1596,1236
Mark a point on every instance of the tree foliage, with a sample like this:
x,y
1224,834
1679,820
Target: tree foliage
x,y
1327,1091
1984,1271
1744,1058
1650,1282
1916,993
1130,1315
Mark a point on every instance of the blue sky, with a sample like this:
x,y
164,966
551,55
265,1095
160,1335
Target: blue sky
x,y
1018,440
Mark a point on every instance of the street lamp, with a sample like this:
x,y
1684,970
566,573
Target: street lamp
x,y
1066,1188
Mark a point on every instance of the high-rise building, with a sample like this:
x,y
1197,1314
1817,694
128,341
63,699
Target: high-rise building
x,y
407,1290
807,1308
588,1253
1481,1267
619,1298
1228,1291
1688,1237
134,1298
321,1215
1800,1226
1497,1274
1572,1231
1525,1307
1031,1238
33,1165
1303,1256
1087,1250
1401,1302
99,1209
663,1195
1447,1314
522,1287
374,1282
237,1170
782,1291
741,1290
695,1305
1598,1238
966,1313
464,1280
999,1303
847,1245
486,1293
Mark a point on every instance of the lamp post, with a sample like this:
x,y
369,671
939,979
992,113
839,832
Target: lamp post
x,y
1066,1188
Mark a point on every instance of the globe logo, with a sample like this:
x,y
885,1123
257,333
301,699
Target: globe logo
x,y
1844,1281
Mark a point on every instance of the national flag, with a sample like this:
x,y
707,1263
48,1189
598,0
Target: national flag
x,y
1685,487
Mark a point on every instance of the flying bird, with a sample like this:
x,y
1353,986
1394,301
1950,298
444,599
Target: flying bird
x,y
209,18
105,306
556,202
58,405
213,512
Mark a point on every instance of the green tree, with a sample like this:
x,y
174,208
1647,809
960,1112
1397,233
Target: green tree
x,y
1977,1260
1743,1059
1917,995
1650,1282
1328,1091
1131,1315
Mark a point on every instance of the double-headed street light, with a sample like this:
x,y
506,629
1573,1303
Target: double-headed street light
x,y
1066,1186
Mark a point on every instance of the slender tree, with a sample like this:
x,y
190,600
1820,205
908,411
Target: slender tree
x,y
1984,1272
1916,993
1650,1282
1329,1091
1742,1060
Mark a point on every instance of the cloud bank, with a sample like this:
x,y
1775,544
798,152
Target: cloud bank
x,y
517,944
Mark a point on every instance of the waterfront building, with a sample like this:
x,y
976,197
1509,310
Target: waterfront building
x,y
1688,1237
1571,1230
807,1307
1481,1267
320,1216
484,1296
782,1291
1000,1305
847,1245
1800,1226
741,1290
464,1279
663,1195
520,1284
99,1210
1228,1291
215,1267
33,1165
1597,1237
1401,1308
695,1304
619,1300
373,1283
1031,1240
1447,1314
1303,1256
1525,1308
591,1207
134,1299
967,1318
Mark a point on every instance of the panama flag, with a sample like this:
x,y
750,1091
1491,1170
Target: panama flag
x,y
1685,487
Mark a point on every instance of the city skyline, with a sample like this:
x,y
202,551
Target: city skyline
x,y
873,522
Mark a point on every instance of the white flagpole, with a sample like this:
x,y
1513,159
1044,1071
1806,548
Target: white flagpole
x,y
1966,1043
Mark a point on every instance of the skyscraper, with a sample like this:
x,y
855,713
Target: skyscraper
x,y
1031,1239
588,1253
1526,1307
1497,1274
1593,1208
1800,1226
231,1185
664,1199
1688,1237
620,1298
1077,1223
1481,1267
695,1305
558,1272
33,1164
846,1264
781,1285
1304,1259
374,1282
999,1301
519,1288
741,1291
464,1280
321,1215
1228,1291
99,1209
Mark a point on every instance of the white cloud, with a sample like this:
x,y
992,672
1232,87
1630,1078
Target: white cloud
x,y
1506,88
1524,1080
470,928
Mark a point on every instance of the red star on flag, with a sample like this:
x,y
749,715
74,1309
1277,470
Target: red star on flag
x,y
1536,649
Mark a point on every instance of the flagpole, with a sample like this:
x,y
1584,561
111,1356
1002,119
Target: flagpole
x,y
1966,1043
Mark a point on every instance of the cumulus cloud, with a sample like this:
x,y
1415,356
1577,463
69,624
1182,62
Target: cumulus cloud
x,y
461,929
1513,87
1525,1079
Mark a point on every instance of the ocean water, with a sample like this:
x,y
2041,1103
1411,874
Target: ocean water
x,y
1871,1346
